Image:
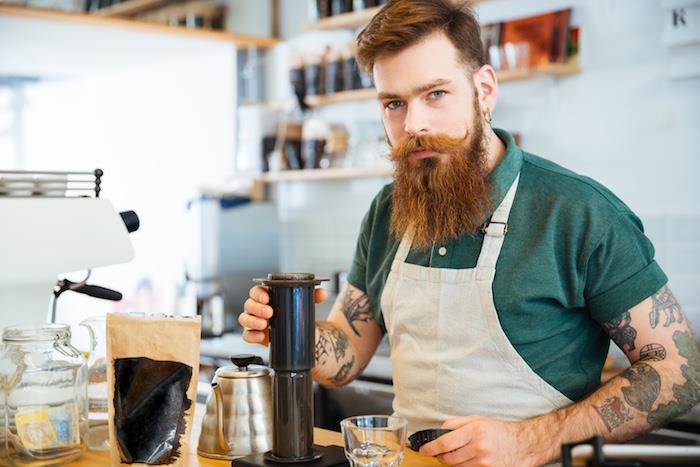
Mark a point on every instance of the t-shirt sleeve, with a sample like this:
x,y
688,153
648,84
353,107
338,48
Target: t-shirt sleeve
x,y
357,275
621,270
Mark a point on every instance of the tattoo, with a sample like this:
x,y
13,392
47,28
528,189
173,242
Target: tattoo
x,y
664,301
644,388
344,371
621,332
330,341
356,309
685,395
613,412
652,352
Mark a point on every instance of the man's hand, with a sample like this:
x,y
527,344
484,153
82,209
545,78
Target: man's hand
x,y
257,313
480,441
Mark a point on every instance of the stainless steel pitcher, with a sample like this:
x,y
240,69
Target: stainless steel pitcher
x,y
238,418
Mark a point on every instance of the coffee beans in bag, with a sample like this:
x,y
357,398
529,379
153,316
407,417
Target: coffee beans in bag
x,y
152,387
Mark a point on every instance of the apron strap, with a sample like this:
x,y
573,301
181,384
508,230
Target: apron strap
x,y
405,245
494,234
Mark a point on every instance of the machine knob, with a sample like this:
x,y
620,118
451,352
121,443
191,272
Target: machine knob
x,y
243,360
131,220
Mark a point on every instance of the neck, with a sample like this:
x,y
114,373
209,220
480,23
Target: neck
x,y
496,149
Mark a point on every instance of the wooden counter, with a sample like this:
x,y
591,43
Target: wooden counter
x,y
322,437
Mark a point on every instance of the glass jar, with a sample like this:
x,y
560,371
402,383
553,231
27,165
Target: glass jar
x,y
43,382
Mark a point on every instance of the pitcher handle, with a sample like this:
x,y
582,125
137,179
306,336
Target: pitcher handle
x,y
93,337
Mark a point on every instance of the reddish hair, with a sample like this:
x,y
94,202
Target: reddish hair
x,y
403,23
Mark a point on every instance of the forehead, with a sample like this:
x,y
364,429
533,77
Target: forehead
x,y
432,59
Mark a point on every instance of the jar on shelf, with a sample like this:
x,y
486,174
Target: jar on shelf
x,y
43,379
313,74
339,7
351,73
314,135
334,79
319,9
358,5
297,79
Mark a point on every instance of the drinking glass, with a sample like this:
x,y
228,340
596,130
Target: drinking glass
x,y
374,440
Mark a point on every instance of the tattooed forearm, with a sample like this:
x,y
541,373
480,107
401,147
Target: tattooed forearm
x,y
613,412
336,363
664,302
644,388
687,394
344,371
356,308
622,332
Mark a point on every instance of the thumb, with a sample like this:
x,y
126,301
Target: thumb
x,y
320,295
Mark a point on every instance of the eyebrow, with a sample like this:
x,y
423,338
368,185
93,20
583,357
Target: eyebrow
x,y
419,90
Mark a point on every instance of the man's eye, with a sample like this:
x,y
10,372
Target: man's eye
x,y
437,94
393,105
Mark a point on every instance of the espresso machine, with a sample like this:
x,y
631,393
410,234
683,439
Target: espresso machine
x,y
292,333
55,223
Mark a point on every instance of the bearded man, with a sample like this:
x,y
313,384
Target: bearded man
x,y
499,277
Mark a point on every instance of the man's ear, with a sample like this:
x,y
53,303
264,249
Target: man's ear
x,y
486,84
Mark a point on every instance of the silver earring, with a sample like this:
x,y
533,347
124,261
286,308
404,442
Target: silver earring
x,y
488,116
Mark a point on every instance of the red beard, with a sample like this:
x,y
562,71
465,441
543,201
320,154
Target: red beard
x,y
441,200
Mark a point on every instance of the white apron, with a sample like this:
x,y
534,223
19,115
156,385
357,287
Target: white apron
x,y
449,354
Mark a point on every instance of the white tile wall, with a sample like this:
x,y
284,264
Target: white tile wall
x,y
321,221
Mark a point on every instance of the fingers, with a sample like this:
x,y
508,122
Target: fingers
x,y
446,443
459,456
259,294
255,308
256,337
320,295
252,321
255,316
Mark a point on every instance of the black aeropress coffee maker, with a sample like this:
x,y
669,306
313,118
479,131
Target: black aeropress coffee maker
x,y
292,342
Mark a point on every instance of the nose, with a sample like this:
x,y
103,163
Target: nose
x,y
416,122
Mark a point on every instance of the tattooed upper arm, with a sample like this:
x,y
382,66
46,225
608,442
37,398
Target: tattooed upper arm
x,y
664,304
644,331
664,379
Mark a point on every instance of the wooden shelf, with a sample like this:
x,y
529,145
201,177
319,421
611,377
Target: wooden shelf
x,y
554,69
325,174
343,96
131,7
240,40
346,20
505,76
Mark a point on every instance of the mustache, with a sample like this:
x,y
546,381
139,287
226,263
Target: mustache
x,y
438,143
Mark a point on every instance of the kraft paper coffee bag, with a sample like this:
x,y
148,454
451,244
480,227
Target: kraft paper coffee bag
x,y
152,373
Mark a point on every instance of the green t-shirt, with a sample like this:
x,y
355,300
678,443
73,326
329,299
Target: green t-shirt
x,y
574,257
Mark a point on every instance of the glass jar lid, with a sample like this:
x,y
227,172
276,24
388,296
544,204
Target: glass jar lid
x,y
31,332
